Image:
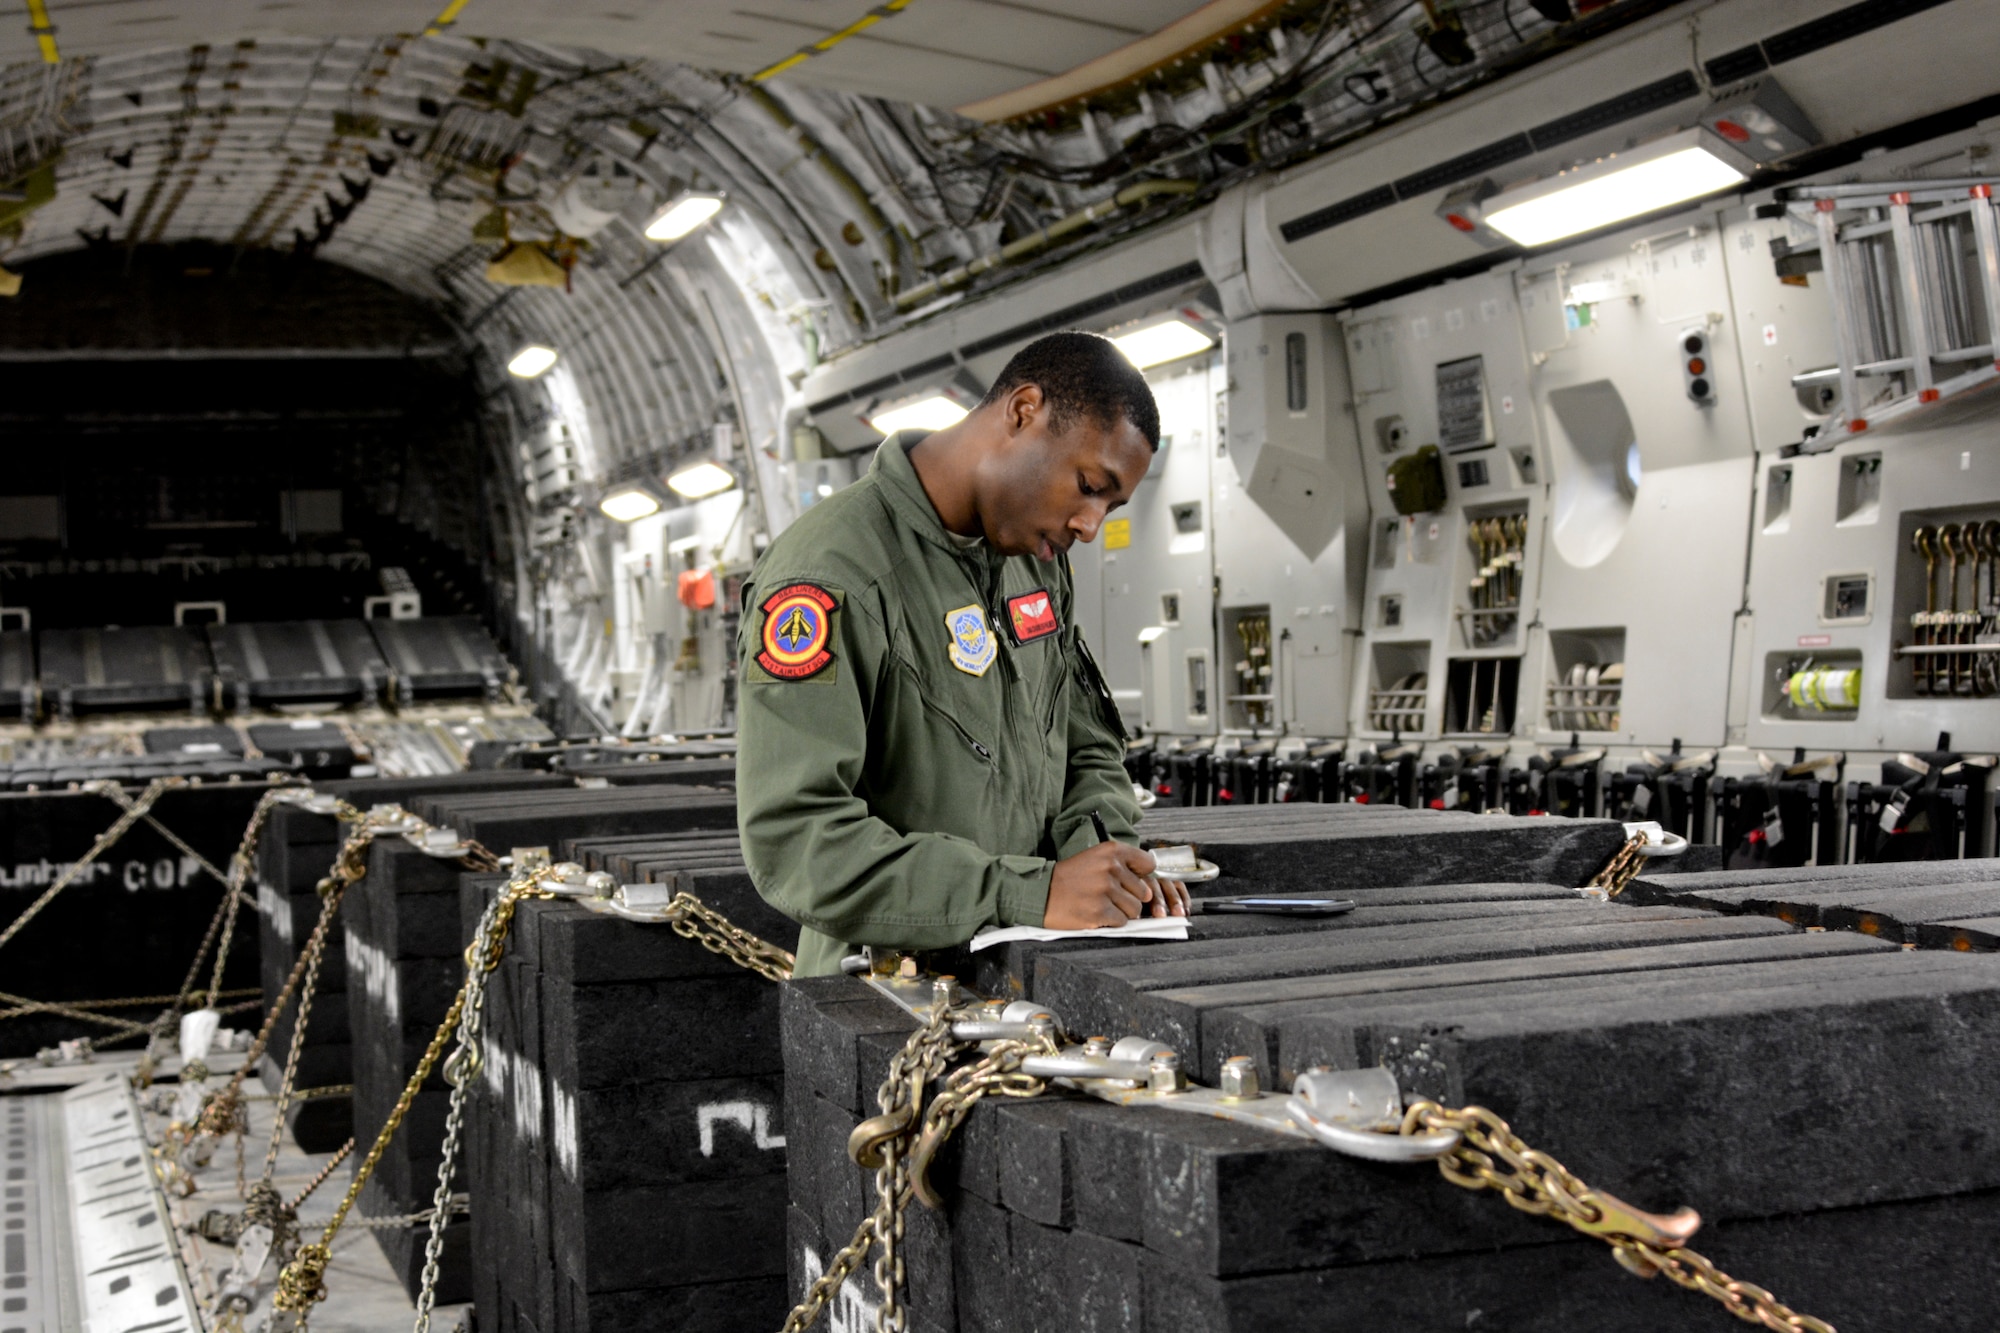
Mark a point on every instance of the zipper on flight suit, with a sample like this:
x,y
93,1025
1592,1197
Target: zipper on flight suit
x,y
935,709
985,754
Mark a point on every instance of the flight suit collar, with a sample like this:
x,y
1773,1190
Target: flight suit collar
x,y
905,494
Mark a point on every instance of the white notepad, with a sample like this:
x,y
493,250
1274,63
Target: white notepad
x,y
1138,928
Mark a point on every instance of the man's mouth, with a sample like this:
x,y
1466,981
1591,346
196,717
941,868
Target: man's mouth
x,y
1045,550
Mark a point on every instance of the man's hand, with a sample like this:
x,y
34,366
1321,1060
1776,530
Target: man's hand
x,y
1108,885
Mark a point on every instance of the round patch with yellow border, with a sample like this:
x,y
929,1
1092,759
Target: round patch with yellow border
x,y
798,622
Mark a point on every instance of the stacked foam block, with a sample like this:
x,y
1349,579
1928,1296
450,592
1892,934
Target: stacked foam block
x,y
405,947
628,1142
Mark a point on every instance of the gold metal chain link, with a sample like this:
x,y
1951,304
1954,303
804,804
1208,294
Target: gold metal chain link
x,y
302,1282
1491,1156
481,959
877,1142
320,1178
997,1072
1622,869
693,919
900,1144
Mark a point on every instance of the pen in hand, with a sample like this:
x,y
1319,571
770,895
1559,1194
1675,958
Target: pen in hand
x,y
1166,902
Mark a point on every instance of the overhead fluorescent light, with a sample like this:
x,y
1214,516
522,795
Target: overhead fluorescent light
x,y
932,413
630,504
531,361
687,211
1157,344
1659,175
701,481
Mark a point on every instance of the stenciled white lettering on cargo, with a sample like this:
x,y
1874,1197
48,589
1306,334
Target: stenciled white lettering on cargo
x,y
562,1127
517,1084
527,1099
164,872
41,874
274,910
755,1120
849,1311
378,975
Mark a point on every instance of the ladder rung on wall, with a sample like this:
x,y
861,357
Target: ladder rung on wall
x,y
1914,274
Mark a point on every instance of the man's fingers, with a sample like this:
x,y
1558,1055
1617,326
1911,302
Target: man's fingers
x,y
1125,897
1182,905
1139,887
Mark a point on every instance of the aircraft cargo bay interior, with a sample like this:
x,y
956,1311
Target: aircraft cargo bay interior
x,y
988,666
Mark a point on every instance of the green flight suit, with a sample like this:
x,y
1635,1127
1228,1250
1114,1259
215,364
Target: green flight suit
x,y
887,795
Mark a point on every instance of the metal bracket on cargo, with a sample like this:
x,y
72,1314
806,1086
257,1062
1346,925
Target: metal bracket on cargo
x,y
443,843
1135,1071
393,819
312,802
1360,1112
1182,864
1658,842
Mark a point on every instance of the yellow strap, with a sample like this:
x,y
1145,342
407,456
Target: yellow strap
x,y
45,33
444,20
885,10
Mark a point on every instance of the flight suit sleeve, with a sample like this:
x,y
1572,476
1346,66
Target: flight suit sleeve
x,y
814,849
1095,779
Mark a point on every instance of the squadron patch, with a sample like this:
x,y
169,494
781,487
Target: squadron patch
x,y
798,622
1032,616
972,646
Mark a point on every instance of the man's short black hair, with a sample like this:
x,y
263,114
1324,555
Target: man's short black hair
x,y
1082,375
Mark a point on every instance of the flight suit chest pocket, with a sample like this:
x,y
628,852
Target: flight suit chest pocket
x,y
932,766
954,713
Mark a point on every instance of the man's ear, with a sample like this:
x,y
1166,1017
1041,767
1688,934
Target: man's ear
x,y
1024,405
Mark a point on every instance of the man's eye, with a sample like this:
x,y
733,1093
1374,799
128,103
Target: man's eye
x,y
1083,485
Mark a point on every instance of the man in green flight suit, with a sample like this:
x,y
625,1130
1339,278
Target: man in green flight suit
x,y
923,738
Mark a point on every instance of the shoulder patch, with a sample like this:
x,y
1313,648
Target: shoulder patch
x,y
798,625
1032,615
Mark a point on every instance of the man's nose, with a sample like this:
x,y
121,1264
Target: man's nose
x,y
1086,522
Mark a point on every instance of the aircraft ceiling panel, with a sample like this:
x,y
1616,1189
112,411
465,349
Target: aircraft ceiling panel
x,y
942,52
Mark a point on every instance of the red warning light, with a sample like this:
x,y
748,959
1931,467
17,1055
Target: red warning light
x,y
1697,366
1731,131
1462,223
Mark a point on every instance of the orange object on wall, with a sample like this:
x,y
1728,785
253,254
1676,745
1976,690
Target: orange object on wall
x,y
696,588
